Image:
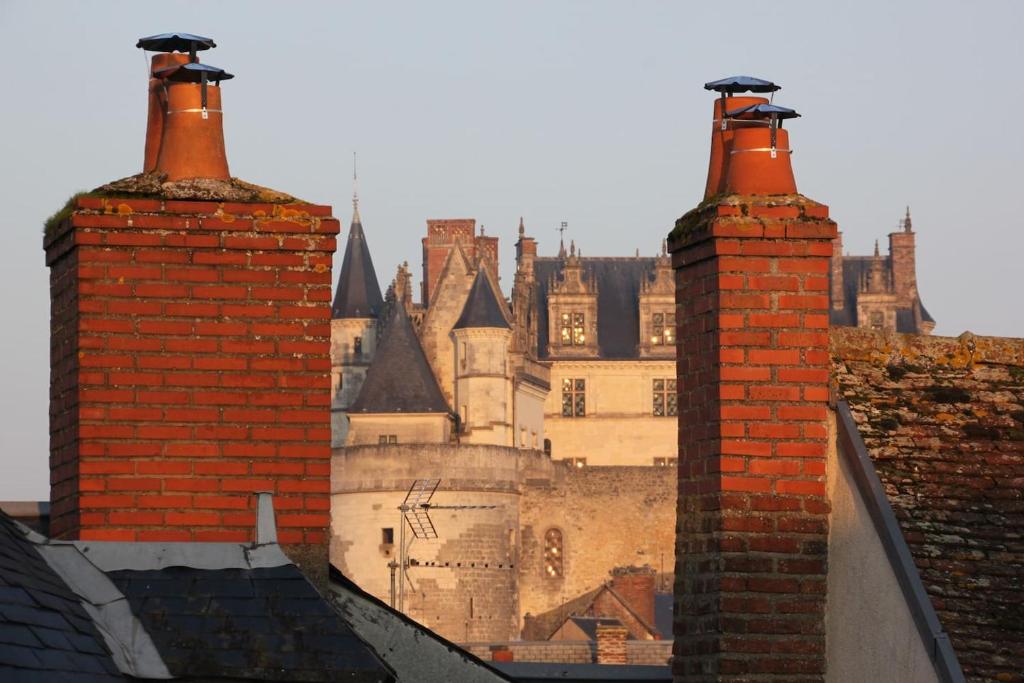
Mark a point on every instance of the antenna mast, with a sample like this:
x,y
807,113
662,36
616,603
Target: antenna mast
x,y
415,512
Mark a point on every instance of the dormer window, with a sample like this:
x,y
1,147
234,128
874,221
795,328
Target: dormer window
x,y
663,329
573,331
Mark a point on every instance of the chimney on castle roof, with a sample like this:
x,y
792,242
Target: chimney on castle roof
x,y
184,132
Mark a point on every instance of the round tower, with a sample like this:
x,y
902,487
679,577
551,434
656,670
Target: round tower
x,y
483,380
354,326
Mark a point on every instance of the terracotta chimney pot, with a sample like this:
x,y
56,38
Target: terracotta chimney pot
x,y
193,147
158,106
752,170
722,139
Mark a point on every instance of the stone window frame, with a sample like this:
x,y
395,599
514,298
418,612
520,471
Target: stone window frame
x,y
664,397
554,554
357,347
387,439
574,389
572,328
663,327
666,462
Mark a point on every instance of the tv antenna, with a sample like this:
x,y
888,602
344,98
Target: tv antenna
x,y
415,513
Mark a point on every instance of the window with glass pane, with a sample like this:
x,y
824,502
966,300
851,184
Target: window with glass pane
x,y
664,398
662,328
578,336
574,402
553,553
572,329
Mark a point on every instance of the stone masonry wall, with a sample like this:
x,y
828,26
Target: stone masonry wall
x,y
609,517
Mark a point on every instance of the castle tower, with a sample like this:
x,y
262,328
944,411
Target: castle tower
x,y
483,383
399,401
354,325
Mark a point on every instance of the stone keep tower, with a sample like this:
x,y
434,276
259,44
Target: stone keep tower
x,y
483,383
354,326
189,341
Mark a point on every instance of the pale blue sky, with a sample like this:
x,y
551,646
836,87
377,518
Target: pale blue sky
x,y
589,112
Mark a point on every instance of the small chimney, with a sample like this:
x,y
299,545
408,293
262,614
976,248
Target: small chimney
x,y
723,125
636,586
611,644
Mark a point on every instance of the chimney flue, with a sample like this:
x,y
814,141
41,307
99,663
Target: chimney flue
x,y
759,157
184,131
725,121
158,105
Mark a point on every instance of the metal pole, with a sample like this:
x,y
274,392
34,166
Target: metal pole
x,y
402,562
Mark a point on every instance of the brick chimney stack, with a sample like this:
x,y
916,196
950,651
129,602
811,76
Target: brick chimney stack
x,y
752,292
636,586
190,366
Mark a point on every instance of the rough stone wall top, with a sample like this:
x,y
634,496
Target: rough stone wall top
x,y
943,421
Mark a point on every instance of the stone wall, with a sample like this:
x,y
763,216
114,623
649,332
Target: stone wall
x,y
609,517
463,583
619,427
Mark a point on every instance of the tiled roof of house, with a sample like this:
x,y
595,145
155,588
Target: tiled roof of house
x,y
400,379
265,624
45,633
618,301
109,611
943,422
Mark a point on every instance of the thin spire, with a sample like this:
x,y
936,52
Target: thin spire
x,y
561,238
355,190
522,228
876,248
906,221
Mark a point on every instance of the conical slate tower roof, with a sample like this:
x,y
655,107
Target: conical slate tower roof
x,y
482,307
358,294
399,379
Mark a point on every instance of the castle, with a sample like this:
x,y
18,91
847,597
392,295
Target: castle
x,y
845,506
559,398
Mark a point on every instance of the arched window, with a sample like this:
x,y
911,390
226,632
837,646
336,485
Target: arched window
x,y
553,553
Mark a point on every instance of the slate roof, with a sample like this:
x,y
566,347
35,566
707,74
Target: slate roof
x,y
618,301
253,624
482,308
358,294
943,423
400,379
856,268
45,633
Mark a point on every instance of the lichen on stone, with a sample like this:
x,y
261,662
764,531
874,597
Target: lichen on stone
x,y
156,185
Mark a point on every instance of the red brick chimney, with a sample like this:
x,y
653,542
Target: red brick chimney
x,y
190,368
752,296
636,586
